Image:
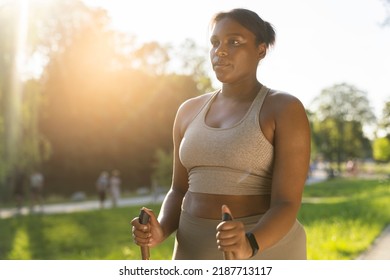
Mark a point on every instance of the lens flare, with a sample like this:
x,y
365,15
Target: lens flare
x,y
13,121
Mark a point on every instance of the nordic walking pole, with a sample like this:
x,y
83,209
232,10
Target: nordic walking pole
x,y
143,220
227,255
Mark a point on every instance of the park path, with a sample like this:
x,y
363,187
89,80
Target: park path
x,y
380,249
71,207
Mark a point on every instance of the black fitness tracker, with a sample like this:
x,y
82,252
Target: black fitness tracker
x,y
252,241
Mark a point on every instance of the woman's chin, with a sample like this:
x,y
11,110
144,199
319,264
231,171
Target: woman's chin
x,y
222,78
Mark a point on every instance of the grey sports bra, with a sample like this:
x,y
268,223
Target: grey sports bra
x,y
233,161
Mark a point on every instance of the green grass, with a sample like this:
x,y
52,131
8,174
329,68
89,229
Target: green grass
x,y
103,234
341,218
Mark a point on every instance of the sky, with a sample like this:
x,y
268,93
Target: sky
x,y
319,43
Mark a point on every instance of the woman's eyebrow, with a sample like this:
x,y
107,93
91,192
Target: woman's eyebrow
x,y
228,35
234,34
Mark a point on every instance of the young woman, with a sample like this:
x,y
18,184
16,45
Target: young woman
x,y
244,150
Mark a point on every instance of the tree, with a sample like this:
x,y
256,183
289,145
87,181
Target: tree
x,y
34,148
10,86
41,28
151,57
193,62
21,144
340,112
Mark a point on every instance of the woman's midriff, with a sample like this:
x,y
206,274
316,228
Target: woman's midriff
x,y
208,206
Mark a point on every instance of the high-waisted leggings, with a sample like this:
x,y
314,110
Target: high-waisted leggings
x,y
195,240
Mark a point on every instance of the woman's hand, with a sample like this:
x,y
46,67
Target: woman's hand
x,y
150,234
231,238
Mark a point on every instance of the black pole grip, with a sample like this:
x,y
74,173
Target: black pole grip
x,y
143,220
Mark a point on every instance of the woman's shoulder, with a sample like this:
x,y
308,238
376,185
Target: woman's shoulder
x,y
284,109
194,104
279,101
196,101
189,109
282,96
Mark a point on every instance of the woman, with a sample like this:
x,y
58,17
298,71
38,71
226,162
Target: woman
x,y
242,150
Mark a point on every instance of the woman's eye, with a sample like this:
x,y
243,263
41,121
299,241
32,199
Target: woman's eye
x,y
214,43
235,42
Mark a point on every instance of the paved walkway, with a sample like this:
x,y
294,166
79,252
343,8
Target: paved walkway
x,y
71,207
380,249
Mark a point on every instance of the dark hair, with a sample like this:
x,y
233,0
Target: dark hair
x,y
263,30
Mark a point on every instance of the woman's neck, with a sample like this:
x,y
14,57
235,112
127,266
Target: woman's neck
x,y
242,91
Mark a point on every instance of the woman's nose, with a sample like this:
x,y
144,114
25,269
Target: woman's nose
x,y
221,51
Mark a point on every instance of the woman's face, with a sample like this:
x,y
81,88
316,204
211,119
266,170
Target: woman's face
x,y
234,54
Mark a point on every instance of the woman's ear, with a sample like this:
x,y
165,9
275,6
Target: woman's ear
x,y
262,50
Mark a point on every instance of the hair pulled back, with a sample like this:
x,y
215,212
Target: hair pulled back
x,y
263,30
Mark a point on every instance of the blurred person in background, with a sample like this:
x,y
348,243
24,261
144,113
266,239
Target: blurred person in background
x,y
18,183
37,182
102,186
115,187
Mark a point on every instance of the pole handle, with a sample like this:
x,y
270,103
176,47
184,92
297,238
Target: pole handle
x,y
227,255
143,220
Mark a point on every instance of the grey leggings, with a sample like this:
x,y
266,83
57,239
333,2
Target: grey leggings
x,y
195,240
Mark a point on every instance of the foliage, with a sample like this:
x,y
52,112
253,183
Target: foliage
x,y
381,148
328,140
8,102
193,60
22,145
341,111
162,174
344,102
34,147
384,122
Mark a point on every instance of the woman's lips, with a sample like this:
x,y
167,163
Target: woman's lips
x,y
220,65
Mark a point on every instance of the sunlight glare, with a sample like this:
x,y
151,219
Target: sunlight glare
x,y
15,94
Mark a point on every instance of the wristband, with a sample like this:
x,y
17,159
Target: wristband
x,y
252,241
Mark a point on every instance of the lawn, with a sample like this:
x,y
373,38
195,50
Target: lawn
x,y
102,234
342,218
